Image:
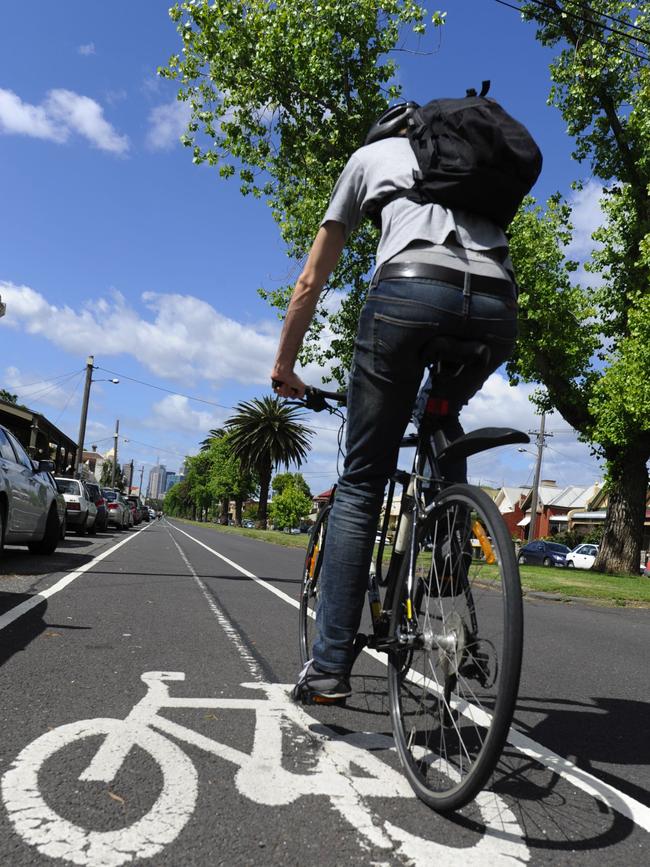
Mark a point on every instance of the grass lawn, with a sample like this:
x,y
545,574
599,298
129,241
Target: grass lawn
x,y
623,590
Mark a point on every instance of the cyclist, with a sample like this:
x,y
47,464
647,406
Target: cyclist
x,y
438,272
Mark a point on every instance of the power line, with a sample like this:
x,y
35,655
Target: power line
x,y
44,381
188,396
563,10
603,27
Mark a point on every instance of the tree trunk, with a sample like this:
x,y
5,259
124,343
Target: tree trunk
x,y
620,550
265,484
238,510
223,518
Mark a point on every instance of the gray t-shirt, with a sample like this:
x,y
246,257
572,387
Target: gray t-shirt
x,y
388,165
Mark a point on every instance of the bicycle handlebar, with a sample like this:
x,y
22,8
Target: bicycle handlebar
x,y
316,399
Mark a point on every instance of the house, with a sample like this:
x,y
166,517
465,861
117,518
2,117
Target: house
x,y
553,507
39,436
586,519
509,501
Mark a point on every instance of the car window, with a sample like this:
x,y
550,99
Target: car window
x,y
21,454
6,451
68,486
109,495
554,546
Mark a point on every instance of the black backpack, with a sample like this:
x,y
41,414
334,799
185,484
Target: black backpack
x,y
471,155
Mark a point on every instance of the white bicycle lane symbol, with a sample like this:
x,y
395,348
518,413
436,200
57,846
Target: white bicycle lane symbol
x,y
261,777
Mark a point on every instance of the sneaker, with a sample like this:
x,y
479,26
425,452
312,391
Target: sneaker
x,y
320,687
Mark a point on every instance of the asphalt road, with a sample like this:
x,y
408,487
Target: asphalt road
x,y
205,761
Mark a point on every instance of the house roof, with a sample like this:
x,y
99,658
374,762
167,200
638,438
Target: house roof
x,y
324,496
508,497
569,497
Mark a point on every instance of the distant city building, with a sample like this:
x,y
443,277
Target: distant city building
x,y
157,480
128,476
171,480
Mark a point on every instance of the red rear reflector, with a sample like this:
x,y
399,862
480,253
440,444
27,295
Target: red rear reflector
x,y
438,406
73,507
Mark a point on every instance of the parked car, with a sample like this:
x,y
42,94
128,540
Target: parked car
x,y
136,507
32,512
118,512
582,557
101,521
81,511
544,553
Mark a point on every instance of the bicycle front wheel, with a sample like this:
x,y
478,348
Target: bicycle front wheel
x,y
453,679
310,584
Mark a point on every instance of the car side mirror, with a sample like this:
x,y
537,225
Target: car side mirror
x,y
44,466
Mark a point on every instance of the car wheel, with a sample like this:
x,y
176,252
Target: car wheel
x,y
547,561
92,530
47,545
570,564
81,529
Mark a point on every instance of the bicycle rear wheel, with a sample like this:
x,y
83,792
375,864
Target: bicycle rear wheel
x,y
452,702
309,588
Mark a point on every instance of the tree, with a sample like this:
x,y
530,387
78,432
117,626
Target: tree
x,y
264,433
589,346
214,434
179,500
280,92
8,397
106,479
289,507
284,480
228,478
199,483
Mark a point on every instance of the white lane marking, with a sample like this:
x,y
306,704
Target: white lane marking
x,y
601,791
14,613
231,631
262,776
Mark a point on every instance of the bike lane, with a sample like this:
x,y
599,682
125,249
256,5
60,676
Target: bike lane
x,y
151,607
596,804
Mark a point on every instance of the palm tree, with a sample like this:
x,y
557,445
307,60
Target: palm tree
x,y
265,433
214,434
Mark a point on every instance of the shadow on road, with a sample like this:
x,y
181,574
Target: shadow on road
x,y
19,634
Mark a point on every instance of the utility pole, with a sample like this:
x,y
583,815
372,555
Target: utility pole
x,y
84,415
541,437
115,436
141,475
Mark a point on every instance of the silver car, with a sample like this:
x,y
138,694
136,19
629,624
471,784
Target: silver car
x,y
81,510
117,509
32,512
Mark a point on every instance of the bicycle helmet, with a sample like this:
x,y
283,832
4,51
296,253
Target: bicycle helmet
x,y
391,121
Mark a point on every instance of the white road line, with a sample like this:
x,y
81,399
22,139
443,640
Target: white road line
x,y
622,803
224,621
14,613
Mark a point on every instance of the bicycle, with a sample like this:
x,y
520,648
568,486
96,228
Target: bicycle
x,y
451,618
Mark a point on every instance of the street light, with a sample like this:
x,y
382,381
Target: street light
x,y
90,366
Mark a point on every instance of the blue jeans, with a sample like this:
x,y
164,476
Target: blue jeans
x,y
391,353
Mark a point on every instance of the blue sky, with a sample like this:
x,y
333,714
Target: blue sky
x,y
113,243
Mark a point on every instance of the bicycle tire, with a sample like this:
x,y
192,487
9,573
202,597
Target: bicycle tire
x,y
309,584
451,710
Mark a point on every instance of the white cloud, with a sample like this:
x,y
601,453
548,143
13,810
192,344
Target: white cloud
x,y
87,49
176,413
62,113
20,118
31,391
183,339
167,123
586,216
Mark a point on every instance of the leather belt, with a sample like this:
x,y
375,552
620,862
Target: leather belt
x,y
427,270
